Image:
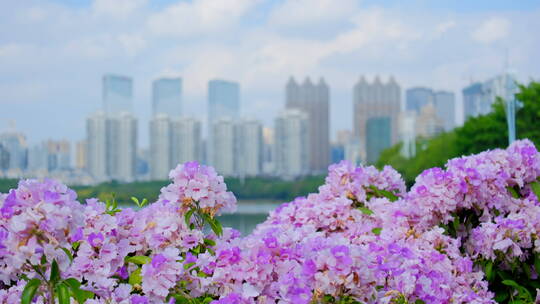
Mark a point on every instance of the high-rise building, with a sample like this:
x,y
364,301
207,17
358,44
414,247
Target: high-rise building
x,y
186,140
292,143
445,105
428,123
376,108
122,147
250,148
117,94
38,158
15,144
59,155
378,137
444,102
473,100
268,150
167,96
314,101
4,158
96,139
407,133
160,147
478,98
224,141
81,154
223,102
417,98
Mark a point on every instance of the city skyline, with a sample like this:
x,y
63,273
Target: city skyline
x,y
53,79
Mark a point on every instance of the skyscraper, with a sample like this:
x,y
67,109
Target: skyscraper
x,y
428,123
376,108
250,147
122,147
160,147
444,103
224,141
417,98
223,102
186,140
473,97
314,101
407,133
292,143
81,154
59,152
96,139
167,96
117,94
478,98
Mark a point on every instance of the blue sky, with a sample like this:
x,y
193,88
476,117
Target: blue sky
x,y
54,53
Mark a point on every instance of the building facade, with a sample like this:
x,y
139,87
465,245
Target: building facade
x,y
117,94
160,147
314,100
292,143
249,134
225,145
376,107
223,103
167,96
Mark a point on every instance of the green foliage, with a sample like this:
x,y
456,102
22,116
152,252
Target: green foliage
x,y
53,287
478,134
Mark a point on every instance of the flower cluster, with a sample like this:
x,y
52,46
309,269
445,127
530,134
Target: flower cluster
x,y
466,233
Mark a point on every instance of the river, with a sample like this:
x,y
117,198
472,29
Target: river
x,y
248,214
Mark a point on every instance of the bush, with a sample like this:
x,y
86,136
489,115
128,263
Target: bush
x,y
464,234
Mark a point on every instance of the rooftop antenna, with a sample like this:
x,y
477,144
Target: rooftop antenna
x,y
510,90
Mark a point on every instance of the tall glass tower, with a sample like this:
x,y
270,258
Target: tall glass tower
x,y
117,94
223,103
167,96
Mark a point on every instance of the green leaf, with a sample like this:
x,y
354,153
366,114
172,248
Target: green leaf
x,y
135,200
536,189
30,291
513,192
207,300
489,270
419,302
68,253
365,210
455,223
501,295
376,231
55,272
214,224
202,274
178,299
188,265
63,294
389,195
187,216
537,262
511,283
135,277
80,295
138,259
210,242
43,260
75,245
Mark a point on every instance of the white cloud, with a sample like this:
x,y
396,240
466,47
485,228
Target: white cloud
x,y
491,30
199,17
116,8
305,13
442,28
132,44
